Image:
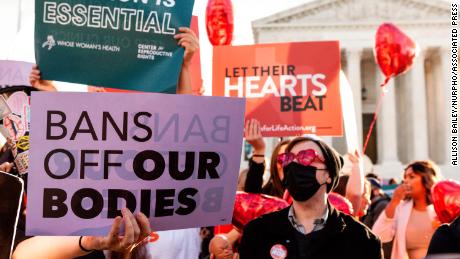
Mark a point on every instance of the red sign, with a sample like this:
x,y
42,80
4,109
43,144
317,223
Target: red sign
x,y
291,88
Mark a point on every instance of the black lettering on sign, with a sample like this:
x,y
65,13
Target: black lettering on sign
x,y
84,164
107,163
174,165
186,198
96,207
53,203
164,202
122,134
208,164
59,124
147,129
145,202
114,195
138,165
71,164
78,130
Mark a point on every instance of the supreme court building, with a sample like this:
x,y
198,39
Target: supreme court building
x,y
414,120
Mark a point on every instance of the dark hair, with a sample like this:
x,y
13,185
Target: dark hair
x,y
242,179
429,172
393,180
278,188
373,175
332,159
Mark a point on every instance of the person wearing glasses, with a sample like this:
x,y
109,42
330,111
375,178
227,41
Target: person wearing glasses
x,y
310,227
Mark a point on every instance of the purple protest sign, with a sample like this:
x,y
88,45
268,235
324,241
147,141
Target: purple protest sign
x,y
14,73
174,157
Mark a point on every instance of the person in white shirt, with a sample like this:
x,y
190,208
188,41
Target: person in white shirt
x,y
409,217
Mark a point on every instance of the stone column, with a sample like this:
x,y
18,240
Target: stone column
x,y
448,170
418,109
353,72
387,142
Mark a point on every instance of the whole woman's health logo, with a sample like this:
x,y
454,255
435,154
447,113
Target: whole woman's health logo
x,y
50,42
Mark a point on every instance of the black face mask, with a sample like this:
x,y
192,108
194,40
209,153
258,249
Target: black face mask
x,y
301,181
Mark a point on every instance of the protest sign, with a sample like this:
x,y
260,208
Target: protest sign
x,y
195,66
168,156
119,44
14,73
16,126
291,88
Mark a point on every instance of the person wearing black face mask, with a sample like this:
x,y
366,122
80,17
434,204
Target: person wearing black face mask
x,y
310,227
301,181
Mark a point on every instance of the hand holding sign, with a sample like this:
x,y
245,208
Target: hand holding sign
x,y
36,81
188,40
137,228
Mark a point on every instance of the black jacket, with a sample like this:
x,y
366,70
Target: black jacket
x,y
446,239
342,237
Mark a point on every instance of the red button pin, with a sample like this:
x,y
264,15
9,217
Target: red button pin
x,y
278,252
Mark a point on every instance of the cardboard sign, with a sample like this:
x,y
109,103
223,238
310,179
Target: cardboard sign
x,y
127,44
169,156
291,88
14,73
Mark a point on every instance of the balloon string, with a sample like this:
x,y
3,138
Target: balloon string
x,y
385,82
377,111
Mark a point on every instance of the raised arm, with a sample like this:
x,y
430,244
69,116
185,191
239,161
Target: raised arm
x,y
188,40
355,185
253,136
385,226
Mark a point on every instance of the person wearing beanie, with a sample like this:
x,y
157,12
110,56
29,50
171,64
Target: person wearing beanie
x,y
310,227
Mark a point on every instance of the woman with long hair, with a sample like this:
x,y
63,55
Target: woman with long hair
x,y
274,186
409,217
254,178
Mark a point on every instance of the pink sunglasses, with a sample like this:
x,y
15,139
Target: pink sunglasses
x,y
304,157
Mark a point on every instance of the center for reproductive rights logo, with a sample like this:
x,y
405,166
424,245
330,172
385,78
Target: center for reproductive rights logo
x,y
50,42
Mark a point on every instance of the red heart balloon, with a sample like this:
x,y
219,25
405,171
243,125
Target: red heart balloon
x,y
249,206
394,50
219,22
446,200
340,203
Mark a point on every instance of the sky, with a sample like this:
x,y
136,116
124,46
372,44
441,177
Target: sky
x,y
244,12
16,29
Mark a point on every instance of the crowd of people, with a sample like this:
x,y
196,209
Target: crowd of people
x,y
380,226
304,170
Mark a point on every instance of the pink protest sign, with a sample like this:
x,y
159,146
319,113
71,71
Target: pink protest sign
x,y
169,156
